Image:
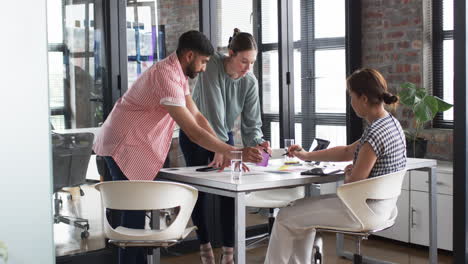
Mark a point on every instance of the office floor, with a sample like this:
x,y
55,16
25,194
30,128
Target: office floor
x,y
68,241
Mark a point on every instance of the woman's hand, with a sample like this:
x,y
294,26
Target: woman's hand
x,y
265,145
348,172
297,151
251,154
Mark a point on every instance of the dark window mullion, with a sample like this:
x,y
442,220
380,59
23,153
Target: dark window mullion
x,y
447,34
439,35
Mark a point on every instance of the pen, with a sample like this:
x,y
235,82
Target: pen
x,y
287,152
264,150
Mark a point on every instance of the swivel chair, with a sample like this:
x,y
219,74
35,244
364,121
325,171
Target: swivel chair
x,y
148,196
271,200
71,154
279,198
355,196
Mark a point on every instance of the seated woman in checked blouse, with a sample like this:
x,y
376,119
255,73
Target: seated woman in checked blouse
x,y
380,150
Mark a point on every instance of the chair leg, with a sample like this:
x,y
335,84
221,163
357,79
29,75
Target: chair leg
x,y
149,256
357,259
252,241
318,250
271,219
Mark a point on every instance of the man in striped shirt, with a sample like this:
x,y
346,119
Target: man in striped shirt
x,y
136,136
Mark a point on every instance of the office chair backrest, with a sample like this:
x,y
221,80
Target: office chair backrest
x,y
355,196
149,195
71,154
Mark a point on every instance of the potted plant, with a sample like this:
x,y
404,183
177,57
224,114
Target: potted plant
x,y
424,107
3,252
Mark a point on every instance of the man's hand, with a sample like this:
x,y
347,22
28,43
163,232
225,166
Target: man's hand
x,y
218,161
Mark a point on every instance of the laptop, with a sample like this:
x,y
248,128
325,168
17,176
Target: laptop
x,y
318,144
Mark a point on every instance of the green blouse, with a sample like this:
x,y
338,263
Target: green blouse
x,y
222,99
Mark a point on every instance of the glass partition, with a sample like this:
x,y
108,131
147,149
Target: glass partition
x,y
76,69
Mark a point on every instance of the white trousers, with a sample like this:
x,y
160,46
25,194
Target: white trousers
x,y
293,234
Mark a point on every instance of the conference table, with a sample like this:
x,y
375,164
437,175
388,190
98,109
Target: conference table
x,y
278,176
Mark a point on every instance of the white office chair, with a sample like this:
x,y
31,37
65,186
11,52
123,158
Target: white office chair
x,y
148,196
272,199
355,196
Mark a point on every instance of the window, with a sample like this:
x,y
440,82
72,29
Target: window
x,y
319,71
443,58
317,63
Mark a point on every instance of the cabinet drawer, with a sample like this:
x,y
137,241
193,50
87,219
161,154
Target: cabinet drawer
x,y
420,182
419,219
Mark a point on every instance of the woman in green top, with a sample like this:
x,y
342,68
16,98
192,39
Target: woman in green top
x,y
226,90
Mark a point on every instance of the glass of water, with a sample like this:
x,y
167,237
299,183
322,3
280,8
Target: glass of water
x,y
236,165
287,143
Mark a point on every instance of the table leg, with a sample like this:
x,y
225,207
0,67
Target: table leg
x,y
432,215
239,227
340,245
155,224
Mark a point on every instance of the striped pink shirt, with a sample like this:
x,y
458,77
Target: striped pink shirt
x,y
138,131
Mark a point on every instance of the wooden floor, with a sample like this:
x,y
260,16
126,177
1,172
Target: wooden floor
x,y
68,241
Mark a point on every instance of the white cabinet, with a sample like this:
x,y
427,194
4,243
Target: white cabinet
x,y
412,224
328,188
445,221
419,219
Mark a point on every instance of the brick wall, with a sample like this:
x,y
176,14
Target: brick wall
x,y
178,17
396,41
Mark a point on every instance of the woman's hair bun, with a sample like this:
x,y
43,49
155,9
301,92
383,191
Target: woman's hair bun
x,y
236,32
389,98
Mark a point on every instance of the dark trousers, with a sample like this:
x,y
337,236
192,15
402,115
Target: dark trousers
x,y
202,213
126,218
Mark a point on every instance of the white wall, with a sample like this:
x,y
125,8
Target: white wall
x,y
25,168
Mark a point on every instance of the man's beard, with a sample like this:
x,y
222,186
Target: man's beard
x,y
191,70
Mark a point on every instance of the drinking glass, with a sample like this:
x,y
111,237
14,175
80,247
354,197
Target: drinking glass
x,y
287,143
236,165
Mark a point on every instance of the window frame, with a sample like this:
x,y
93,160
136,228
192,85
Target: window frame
x,y
287,116
438,37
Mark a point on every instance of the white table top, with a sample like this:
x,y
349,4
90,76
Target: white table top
x,y
414,163
260,178
257,179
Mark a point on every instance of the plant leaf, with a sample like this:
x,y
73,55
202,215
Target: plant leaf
x,y
422,112
407,94
432,104
408,86
442,105
421,93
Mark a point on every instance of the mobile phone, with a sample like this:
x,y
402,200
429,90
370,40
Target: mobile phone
x,y
205,169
